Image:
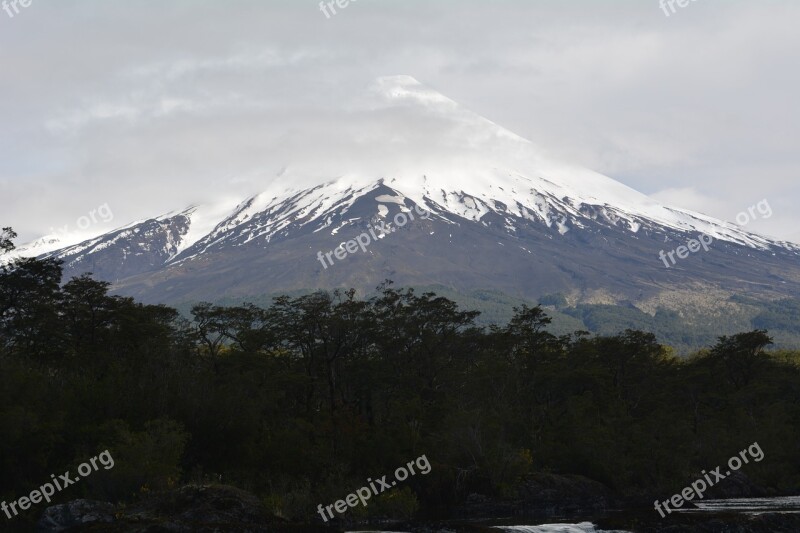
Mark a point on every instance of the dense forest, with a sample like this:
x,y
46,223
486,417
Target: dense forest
x,y
299,402
686,331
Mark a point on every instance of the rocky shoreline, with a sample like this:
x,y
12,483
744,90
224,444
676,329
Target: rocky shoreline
x,y
542,498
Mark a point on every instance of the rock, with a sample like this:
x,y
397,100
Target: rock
x,y
736,485
568,494
75,513
192,508
542,495
201,504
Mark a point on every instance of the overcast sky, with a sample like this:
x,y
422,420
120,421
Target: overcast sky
x,y
151,105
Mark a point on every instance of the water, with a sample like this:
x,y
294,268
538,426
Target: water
x,y
788,504
753,506
583,527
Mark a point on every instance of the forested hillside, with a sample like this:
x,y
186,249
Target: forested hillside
x,y
686,332
301,401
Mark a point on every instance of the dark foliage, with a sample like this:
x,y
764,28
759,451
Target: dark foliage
x,y
303,400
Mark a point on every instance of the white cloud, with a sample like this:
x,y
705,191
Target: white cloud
x,y
690,198
148,106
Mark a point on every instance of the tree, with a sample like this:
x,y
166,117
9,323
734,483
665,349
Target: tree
x,y
88,311
210,327
6,236
29,295
741,355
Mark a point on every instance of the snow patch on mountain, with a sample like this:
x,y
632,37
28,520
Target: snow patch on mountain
x,y
483,170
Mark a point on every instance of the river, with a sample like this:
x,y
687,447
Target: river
x,y
728,507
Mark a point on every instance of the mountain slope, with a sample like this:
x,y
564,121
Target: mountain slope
x,y
498,214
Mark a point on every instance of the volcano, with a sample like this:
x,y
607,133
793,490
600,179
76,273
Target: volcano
x,y
501,215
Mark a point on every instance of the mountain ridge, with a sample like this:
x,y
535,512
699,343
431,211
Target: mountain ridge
x,y
514,220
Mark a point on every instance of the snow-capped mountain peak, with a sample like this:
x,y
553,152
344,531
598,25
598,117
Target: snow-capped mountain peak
x,y
469,173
